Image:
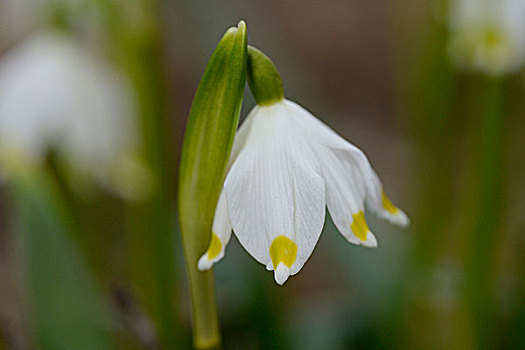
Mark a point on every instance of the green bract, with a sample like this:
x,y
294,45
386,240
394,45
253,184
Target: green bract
x,y
208,139
264,79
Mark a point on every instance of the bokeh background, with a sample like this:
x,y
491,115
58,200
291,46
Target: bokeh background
x,y
92,259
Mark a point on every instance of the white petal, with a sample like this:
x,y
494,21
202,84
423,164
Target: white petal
x,y
275,195
345,196
221,233
375,200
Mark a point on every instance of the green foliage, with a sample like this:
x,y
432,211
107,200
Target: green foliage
x,y
67,311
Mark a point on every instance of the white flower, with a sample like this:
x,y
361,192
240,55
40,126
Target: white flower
x,y
285,167
54,95
488,35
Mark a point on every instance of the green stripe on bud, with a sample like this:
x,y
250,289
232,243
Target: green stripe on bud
x,y
263,78
208,139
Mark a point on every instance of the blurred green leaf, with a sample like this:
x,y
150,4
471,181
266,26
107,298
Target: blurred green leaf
x,y
66,309
135,35
207,144
434,123
484,198
151,240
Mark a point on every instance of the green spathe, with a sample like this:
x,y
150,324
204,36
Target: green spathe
x,y
208,139
263,78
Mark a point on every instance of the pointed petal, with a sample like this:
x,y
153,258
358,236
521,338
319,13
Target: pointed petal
x,y
275,195
376,200
388,211
221,233
361,231
345,197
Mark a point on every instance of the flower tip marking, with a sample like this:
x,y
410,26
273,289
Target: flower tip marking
x,y
359,226
212,254
283,250
397,216
215,247
388,205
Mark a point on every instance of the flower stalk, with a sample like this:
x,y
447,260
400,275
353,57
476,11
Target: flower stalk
x,y
208,139
484,209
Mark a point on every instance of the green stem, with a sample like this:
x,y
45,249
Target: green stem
x,y
206,328
152,244
484,214
513,337
432,124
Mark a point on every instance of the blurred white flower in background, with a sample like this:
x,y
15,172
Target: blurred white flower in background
x,y
56,96
488,35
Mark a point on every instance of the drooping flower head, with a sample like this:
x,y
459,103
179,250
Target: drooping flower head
x,y
286,166
488,35
54,95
